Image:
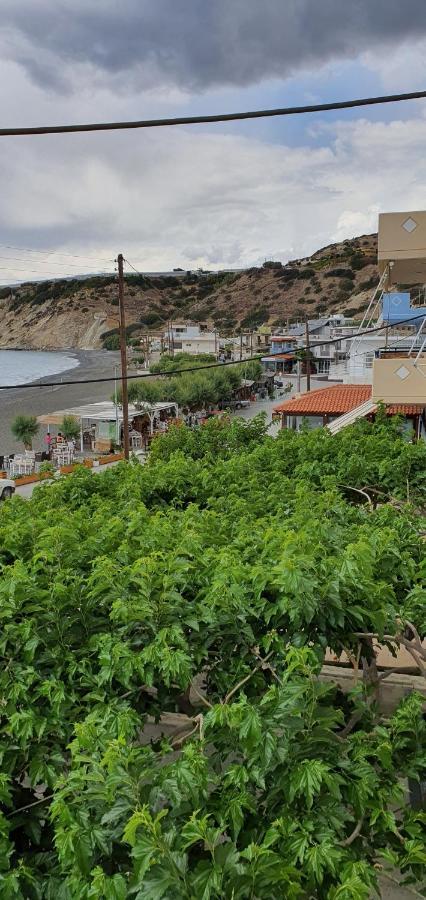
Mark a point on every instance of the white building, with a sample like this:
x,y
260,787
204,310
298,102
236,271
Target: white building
x,y
190,339
333,329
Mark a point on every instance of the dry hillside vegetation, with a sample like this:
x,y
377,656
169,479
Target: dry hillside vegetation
x,y
83,313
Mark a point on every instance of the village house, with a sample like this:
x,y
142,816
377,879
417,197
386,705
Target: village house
x,y
325,405
182,338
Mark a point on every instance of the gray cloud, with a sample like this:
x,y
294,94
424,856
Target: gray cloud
x,y
202,199
196,44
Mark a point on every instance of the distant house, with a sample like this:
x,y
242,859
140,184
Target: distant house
x,y
282,359
181,338
323,406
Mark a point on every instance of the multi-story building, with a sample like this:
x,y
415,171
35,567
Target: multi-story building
x,y
182,338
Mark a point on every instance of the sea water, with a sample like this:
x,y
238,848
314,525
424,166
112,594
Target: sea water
x,y
25,366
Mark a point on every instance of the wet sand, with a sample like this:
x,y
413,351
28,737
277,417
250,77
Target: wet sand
x,y
37,399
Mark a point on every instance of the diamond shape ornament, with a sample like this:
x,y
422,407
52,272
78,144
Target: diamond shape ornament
x,y
409,225
402,372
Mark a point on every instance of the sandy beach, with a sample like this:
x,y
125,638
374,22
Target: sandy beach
x,y
36,399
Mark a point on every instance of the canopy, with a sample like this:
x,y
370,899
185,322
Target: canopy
x,y
106,411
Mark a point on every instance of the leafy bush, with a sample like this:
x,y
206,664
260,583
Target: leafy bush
x,y
24,428
47,468
111,341
151,318
228,563
256,317
70,428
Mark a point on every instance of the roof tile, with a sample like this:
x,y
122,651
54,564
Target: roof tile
x,y
337,400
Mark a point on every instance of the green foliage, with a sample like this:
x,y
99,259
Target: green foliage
x,y
111,341
255,317
193,390
170,363
228,562
47,468
24,428
70,428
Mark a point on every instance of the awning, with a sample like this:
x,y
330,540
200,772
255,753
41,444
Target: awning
x,y
106,411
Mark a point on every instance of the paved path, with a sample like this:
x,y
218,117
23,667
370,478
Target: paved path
x,y
268,405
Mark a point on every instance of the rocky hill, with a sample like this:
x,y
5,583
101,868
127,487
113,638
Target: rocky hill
x,y
83,313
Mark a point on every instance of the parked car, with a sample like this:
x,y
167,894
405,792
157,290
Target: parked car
x,y
234,404
7,488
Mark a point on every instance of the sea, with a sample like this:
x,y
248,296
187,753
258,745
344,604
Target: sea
x,y
26,366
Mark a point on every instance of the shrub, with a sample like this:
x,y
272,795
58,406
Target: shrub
x,y
24,428
111,341
224,567
70,428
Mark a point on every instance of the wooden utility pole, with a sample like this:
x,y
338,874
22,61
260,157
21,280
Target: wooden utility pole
x,y
123,353
308,357
241,345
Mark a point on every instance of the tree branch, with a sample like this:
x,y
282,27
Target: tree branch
x,y
414,647
354,719
352,837
247,677
358,491
15,812
201,697
197,727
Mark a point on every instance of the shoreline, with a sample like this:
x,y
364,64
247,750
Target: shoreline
x,y
36,398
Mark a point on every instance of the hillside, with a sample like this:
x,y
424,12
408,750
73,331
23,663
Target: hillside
x,y
83,313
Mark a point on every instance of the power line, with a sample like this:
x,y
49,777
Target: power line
x,y
290,354
220,117
46,261
57,275
56,252
132,267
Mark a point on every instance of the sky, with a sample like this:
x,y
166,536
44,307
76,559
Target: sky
x,y
228,195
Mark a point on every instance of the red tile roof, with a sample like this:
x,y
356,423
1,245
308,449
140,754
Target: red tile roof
x,y
337,400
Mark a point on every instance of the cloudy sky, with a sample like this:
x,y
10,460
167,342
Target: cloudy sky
x,y
225,195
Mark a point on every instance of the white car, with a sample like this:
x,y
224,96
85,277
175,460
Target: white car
x,y
7,488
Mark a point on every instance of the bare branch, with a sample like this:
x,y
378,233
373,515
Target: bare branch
x,y
247,677
417,637
386,674
15,812
354,719
201,697
358,491
199,721
352,837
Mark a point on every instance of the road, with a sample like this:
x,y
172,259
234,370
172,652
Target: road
x,y
267,406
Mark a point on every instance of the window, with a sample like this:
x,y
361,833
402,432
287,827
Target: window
x,y
177,345
179,330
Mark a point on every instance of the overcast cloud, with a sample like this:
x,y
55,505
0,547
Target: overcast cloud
x,y
229,195
195,43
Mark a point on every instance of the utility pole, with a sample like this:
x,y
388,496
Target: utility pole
x,y
308,357
123,353
241,346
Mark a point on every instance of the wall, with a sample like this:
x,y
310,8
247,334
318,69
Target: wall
x,y
195,345
399,380
404,247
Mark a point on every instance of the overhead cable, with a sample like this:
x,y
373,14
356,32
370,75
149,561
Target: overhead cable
x,y
291,354
206,119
